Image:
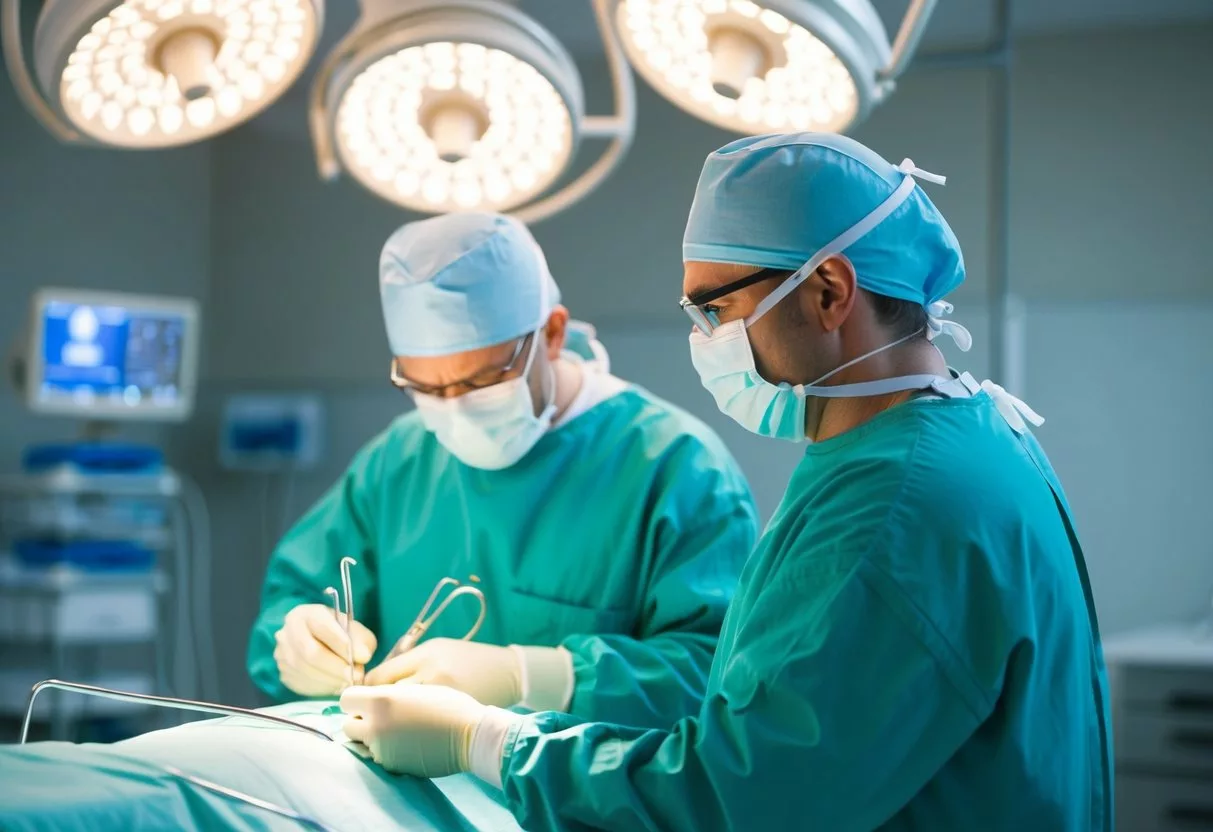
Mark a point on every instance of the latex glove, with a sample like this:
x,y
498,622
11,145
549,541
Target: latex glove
x,y
490,674
312,652
423,730
539,678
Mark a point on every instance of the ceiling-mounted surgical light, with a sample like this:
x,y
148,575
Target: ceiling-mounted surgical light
x,y
157,73
456,105
450,105
772,65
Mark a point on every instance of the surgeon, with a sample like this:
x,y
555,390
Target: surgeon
x,y
914,644
605,528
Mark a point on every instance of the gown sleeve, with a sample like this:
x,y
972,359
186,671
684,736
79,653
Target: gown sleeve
x,y
702,526
836,704
307,560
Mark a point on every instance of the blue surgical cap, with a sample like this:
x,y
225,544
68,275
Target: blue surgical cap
x,y
461,282
774,201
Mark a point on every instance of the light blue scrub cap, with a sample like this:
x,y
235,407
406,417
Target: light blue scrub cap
x,y
774,201
461,282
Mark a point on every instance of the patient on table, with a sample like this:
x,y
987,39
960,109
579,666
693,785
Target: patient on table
x,y
233,773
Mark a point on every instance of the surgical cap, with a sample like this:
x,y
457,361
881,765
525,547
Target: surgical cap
x,y
774,201
461,282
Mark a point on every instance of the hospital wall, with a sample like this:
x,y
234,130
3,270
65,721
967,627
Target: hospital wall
x,y
1109,255
90,219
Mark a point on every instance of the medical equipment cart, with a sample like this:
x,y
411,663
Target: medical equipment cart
x,y
89,581
1162,706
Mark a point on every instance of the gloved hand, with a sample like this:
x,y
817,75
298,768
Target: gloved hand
x,y
540,678
312,652
489,674
423,730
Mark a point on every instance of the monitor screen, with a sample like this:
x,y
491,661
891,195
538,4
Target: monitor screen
x,y
104,357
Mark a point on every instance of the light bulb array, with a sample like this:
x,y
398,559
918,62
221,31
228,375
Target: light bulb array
x,y
447,105
800,83
123,82
453,126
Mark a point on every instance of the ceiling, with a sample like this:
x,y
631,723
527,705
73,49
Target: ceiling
x,y
954,24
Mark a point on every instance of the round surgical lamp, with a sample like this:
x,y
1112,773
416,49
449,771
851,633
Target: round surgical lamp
x,y
159,73
769,66
461,105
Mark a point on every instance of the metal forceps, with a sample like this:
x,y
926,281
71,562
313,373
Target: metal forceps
x,y
424,619
347,593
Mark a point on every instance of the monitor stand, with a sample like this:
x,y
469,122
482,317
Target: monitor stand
x,y
97,431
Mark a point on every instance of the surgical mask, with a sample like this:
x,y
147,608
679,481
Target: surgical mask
x,y
494,427
725,359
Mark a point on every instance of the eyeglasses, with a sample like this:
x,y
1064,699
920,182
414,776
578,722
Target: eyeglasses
x,y
477,381
704,316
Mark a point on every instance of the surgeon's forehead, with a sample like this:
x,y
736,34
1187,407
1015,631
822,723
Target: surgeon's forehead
x,y
444,369
699,277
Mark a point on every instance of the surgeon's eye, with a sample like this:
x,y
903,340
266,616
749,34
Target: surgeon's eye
x,y
481,382
711,311
435,392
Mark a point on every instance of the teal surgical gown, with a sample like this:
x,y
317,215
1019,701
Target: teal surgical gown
x,y
913,646
620,536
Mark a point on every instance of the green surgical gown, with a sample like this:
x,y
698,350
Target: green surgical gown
x,y
913,646
620,536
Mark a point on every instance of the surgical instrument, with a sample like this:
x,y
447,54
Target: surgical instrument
x,y
347,589
422,623
158,701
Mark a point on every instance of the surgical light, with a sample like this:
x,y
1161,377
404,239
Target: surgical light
x,y
769,66
450,105
158,73
457,105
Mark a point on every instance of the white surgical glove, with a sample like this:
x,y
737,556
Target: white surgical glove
x,y
312,652
540,678
423,730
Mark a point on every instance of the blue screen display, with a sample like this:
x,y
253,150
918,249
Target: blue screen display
x,y
111,354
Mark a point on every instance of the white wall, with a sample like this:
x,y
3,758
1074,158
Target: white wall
x,y
90,219
1128,433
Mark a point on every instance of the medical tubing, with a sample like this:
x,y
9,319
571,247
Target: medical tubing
x,y
201,603
185,666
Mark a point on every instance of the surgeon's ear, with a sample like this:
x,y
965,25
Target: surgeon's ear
x,y
835,293
556,330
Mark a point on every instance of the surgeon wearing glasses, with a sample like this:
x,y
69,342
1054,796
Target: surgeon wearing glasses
x,y
913,644
605,527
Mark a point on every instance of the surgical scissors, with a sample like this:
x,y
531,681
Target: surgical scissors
x,y
425,620
348,593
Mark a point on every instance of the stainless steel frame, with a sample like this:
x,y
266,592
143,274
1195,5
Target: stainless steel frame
x,y
160,702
